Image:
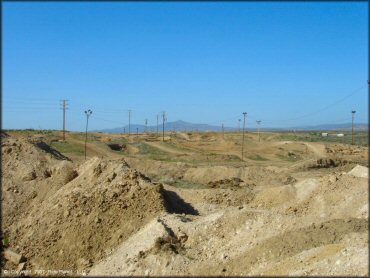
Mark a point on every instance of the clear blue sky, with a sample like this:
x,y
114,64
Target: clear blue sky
x,y
285,63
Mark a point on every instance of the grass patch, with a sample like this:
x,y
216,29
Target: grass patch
x,y
180,183
152,152
67,147
179,147
257,157
118,140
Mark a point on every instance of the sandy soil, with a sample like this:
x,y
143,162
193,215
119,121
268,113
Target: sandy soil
x,y
301,210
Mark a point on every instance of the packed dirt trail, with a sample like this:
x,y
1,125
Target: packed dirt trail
x,y
318,149
166,148
297,212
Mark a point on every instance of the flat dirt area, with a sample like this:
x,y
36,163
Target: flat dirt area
x,y
187,206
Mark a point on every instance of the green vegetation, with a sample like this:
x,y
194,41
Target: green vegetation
x,y
152,152
180,183
67,147
79,136
120,140
6,240
257,157
179,147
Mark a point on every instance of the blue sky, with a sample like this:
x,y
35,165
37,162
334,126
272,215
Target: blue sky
x,y
285,63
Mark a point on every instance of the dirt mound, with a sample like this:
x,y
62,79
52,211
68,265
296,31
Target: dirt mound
x,y
182,136
359,171
88,216
252,175
102,217
27,174
156,237
343,149
328,195
329,163
293,242
61,217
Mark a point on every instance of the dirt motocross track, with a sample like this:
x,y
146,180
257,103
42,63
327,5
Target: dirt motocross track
x,y
187,206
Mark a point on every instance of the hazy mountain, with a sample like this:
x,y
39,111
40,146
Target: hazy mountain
x,y
170,126
185,126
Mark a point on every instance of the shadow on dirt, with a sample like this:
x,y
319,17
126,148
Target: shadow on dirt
x,y
45,147
117,147
175,204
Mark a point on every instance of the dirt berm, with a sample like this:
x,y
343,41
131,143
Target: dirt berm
x,y
89,211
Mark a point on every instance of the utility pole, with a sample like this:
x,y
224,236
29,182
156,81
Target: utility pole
x,y
239,125
146,125
223,131
88,114
129,123
163,120
245,114
157,124
353,129
258,128
64,107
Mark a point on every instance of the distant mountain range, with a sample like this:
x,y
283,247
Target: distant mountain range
x,y
170,126
185,126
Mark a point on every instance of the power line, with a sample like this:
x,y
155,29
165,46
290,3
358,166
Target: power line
x,y
105,120
321,109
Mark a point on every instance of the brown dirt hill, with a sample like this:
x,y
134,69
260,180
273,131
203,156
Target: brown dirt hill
x,y
88,211
317,226
28,166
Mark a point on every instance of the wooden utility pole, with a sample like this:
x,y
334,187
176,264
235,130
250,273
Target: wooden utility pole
x,y
353,129
258,130
163,120
245,115
88,114
64,107
129,122
157,124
